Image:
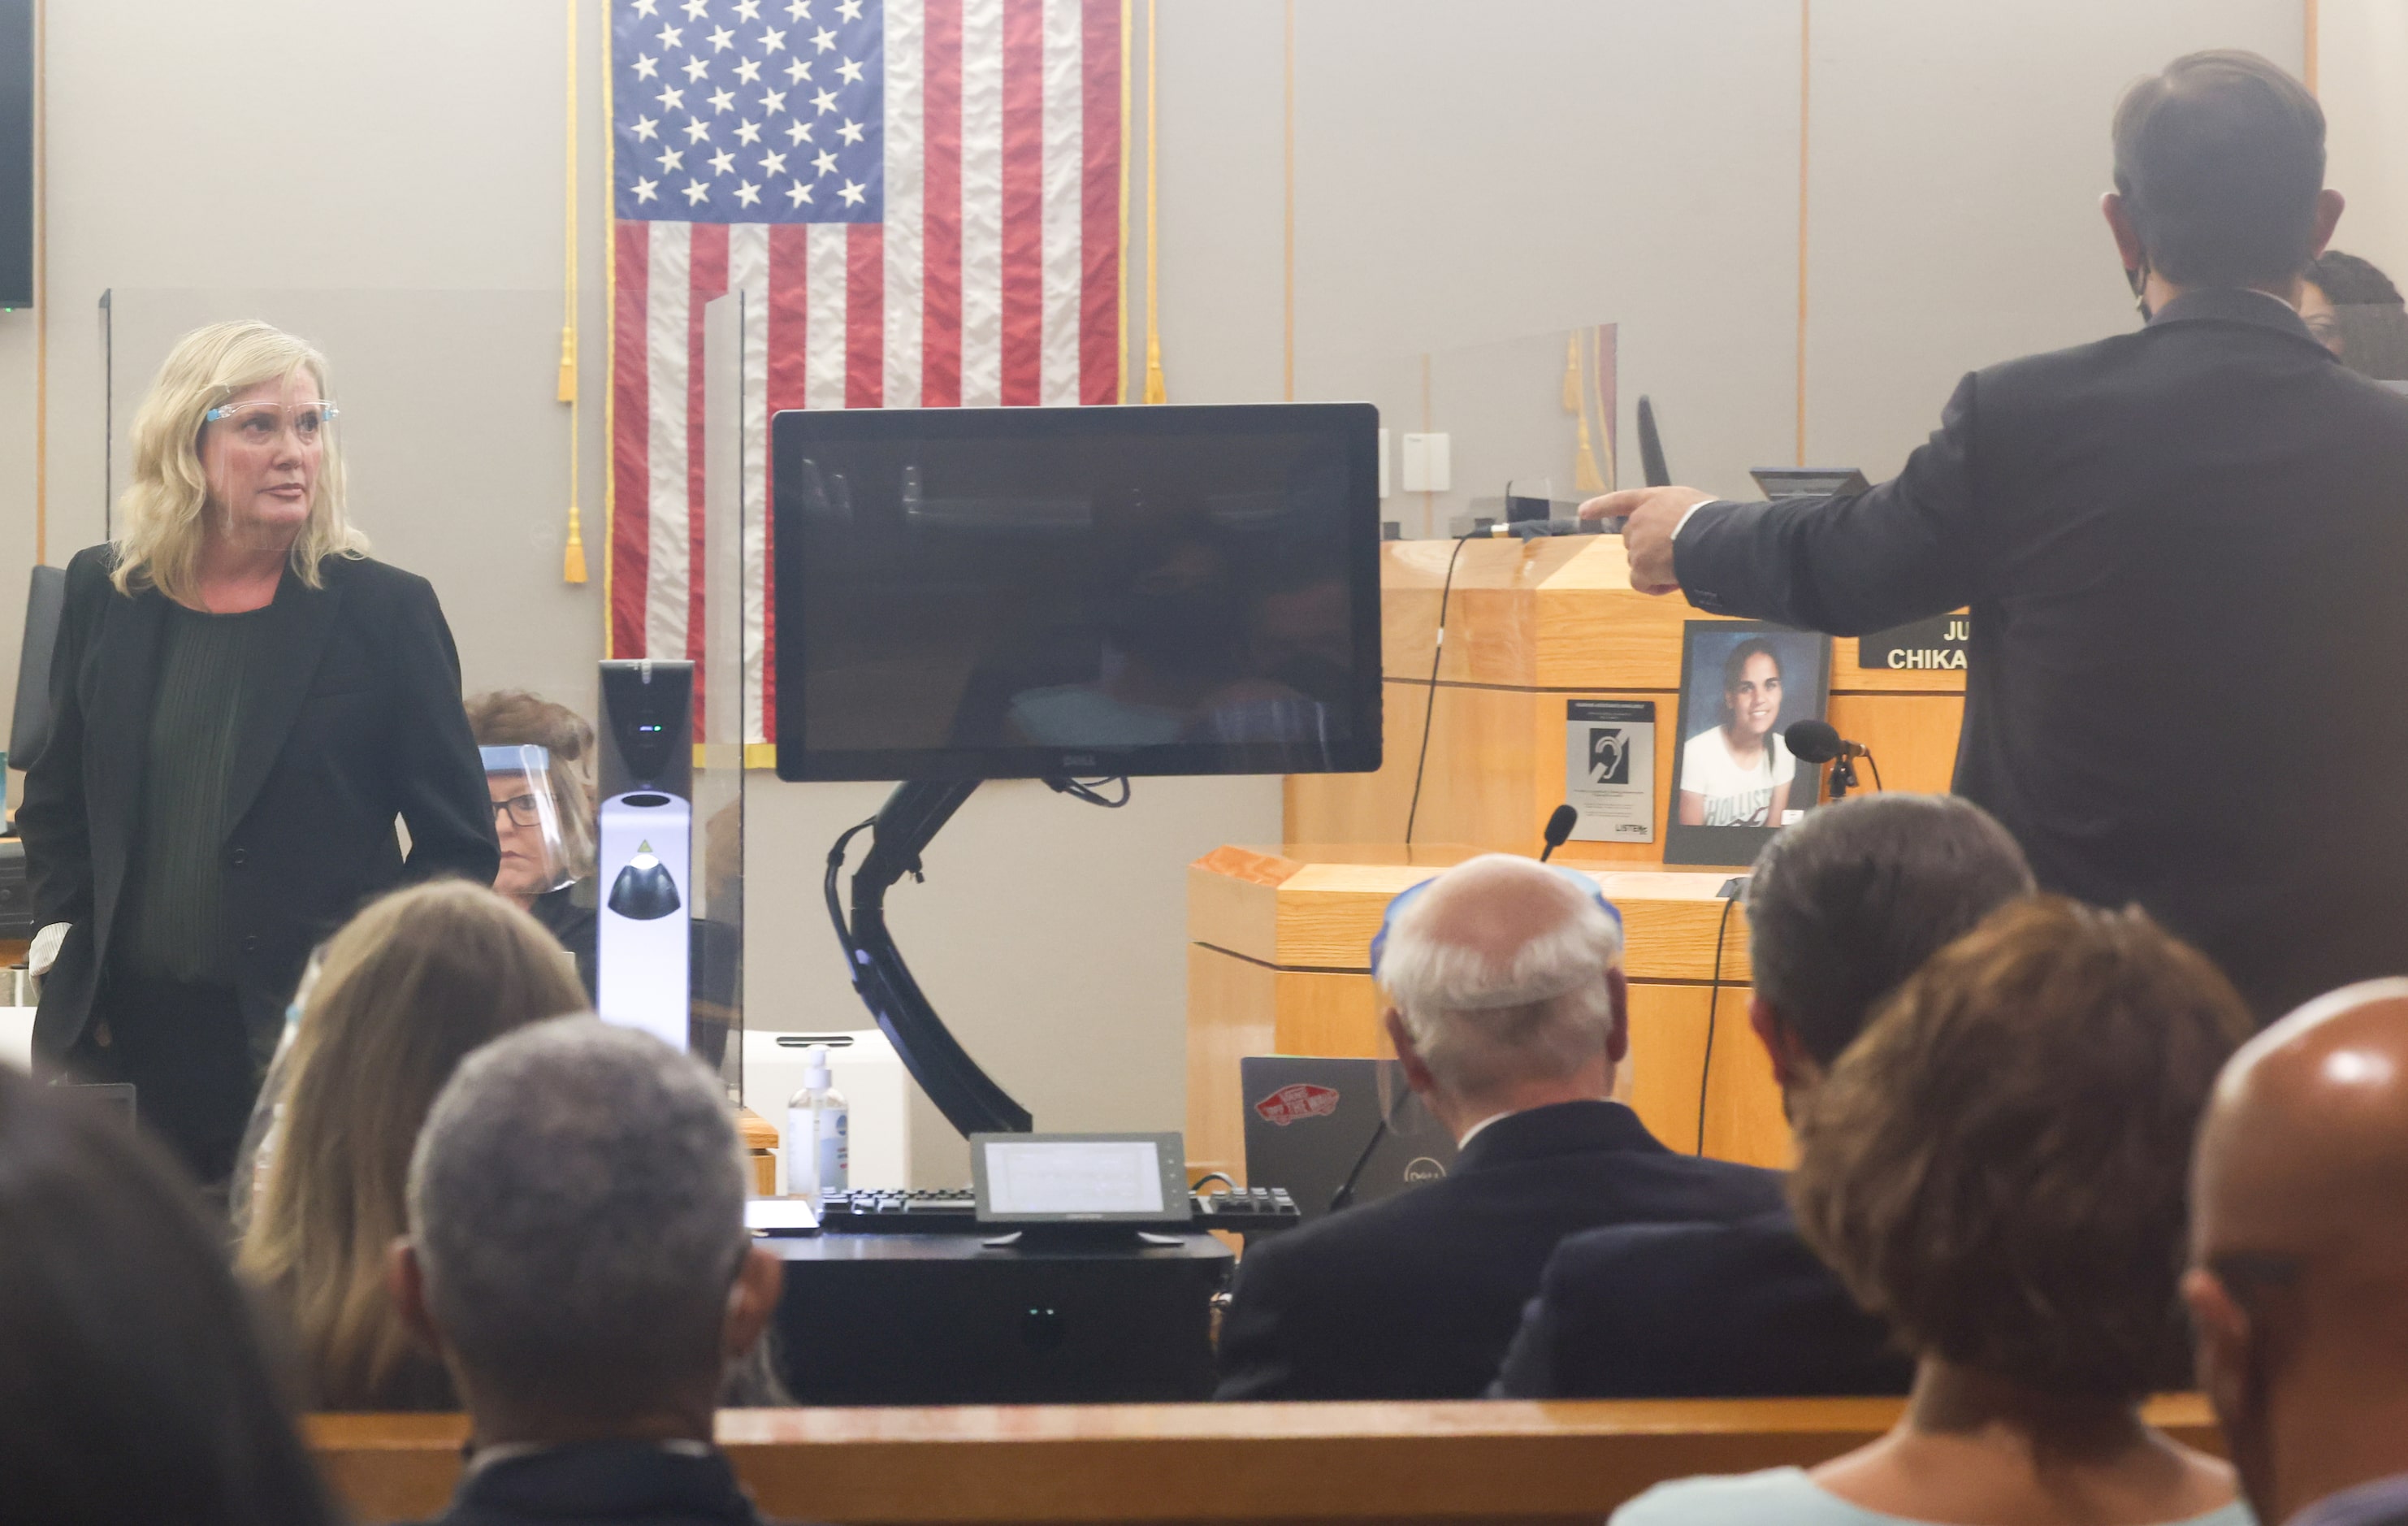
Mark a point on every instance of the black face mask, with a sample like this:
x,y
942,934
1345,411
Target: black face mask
x,y
2138,278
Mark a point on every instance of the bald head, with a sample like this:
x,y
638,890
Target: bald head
x,y
2304,1152
1503,972
2299,1286
1490,909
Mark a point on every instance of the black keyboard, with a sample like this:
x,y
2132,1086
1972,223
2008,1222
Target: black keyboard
x,y
1254,1210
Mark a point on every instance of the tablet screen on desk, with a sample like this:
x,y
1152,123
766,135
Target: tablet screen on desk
x,y
1036,1178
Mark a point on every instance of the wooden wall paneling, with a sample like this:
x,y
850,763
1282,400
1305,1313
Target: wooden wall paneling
x,y
1326,914
1667,1048
1477,786
1675,939
1329,1012
1365,807
1744,1120
1233,1007
1233,901
1913,736
1495,767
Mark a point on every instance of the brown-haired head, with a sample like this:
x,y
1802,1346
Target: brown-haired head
x,y
407,989
517,718
2220,168
1997,1166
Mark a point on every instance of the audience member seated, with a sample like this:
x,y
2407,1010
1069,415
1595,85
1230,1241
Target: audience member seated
x,y
1509,1014
577,1253
2355,312
406,991
2299,1287
1997,1166
530,875
131,1383
1840,908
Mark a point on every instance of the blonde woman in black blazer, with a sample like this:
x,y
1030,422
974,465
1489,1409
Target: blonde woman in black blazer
x,y
244,703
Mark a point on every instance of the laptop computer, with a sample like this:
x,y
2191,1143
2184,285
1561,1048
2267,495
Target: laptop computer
x,y
1308,1120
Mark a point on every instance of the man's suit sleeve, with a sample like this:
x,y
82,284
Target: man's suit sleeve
x,y
1528,1370
1558,1327
440,773
1903,551
1256,1358
53,818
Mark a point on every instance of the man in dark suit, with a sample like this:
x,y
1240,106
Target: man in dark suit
x,y
577,1255
2299,1282
2183,548
1510,1014
1840,909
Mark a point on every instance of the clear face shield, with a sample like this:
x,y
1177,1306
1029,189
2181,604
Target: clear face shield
x,y
527,819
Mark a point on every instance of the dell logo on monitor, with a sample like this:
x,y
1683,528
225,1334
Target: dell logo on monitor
x,y
1079,760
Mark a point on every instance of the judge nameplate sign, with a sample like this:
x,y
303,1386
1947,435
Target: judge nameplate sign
x,y
1920,644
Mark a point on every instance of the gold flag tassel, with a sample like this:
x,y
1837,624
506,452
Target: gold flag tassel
x,y
572,561
1586,478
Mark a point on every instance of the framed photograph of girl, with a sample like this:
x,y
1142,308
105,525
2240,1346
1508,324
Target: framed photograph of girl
x,y
1734,782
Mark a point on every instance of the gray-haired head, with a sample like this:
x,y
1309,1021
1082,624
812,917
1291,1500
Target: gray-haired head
x,y
1851,900
577,1201
1499,972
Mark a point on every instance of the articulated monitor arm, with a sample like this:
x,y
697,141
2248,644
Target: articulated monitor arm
x,y
905,824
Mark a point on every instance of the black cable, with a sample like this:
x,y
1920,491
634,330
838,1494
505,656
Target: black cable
x,y
1085,789
1429,711
1220,1176
835,901
1875,766
1345,1193
1714,1001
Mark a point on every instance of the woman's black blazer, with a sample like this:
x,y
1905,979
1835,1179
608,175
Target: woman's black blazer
x,y
352,718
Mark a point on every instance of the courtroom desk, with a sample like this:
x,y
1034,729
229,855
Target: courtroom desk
x,y
943,1318
1456,1461
1279,963
1532,626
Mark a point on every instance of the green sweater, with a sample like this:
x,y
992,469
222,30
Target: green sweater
x,y
176,922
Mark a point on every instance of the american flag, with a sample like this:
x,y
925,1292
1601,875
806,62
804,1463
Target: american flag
x,y
923,199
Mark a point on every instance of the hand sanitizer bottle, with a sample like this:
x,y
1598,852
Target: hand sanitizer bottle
x,y
815,1153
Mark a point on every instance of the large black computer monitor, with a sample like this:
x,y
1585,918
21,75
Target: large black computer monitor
x,y
1012,593
29,723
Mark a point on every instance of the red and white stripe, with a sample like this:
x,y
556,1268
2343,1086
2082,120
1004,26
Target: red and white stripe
x,y
993,279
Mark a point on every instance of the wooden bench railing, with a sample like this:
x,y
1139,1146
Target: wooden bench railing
x,y
1448,1462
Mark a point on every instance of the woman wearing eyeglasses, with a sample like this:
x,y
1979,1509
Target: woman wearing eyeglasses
x,y
539,771
243,704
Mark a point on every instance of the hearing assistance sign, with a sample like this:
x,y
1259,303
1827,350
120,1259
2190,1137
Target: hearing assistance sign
x,y
1609,769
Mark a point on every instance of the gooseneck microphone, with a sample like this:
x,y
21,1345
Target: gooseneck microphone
x,y
1650,447
1560,827
1817,741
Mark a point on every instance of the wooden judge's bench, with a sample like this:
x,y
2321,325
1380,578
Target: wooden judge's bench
x,y
1280,936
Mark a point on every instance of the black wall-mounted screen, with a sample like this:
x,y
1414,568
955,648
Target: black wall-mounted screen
x,y
1015,593
15,154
